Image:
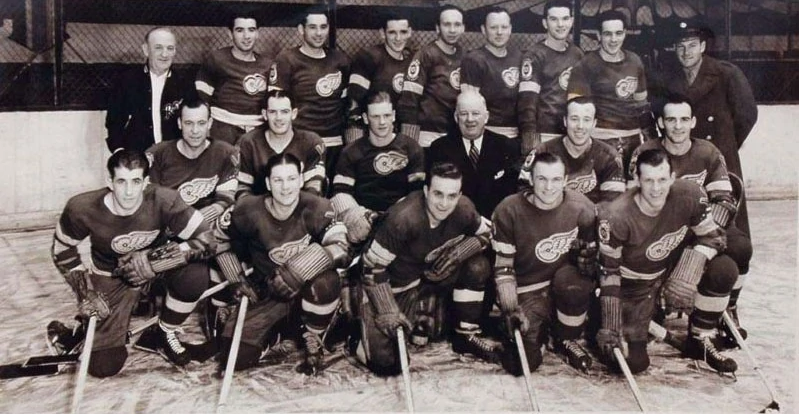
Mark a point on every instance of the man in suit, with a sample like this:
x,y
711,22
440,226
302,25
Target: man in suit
x,y
488,164
143,105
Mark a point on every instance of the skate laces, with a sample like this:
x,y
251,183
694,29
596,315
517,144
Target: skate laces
x,y
482,344
314,345
574,349
710,349
173,341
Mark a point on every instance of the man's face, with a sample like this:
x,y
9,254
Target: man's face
x,y
160,51
284,183
612,36
580,121
244,34
442,196
677,121
194,124
397,34
558,23
549,184
471,114
497,29
655,183
127,187
689,51
380,118
315,31
279,115
450,27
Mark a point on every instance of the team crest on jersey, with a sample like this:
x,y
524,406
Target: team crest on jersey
x,y
511,77
397,82
434,254
414,70
583,183
548,250
328,84
604,231
254,83
661,248
564,78
273,74
387,162
133,241
224,220
525,70
284,252
699,178
192,191
455,79
626,87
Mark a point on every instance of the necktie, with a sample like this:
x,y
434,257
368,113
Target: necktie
x,y
473,154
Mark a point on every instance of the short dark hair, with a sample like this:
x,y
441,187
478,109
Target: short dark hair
x,y
495,9
281,159
553,4
192,103
378,96
277,94
580,100
130,159
316,9
447,7
395,16
653,157
673,98
612,15
546,157
241,15
443,169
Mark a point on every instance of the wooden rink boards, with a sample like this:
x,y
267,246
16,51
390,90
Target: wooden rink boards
x,y
33,293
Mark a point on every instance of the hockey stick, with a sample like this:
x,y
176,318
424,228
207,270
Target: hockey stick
x,y
229,366
83,371
404,361
774,405
621,360
663,335
521,352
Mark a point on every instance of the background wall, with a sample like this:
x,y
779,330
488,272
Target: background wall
x,y
51,156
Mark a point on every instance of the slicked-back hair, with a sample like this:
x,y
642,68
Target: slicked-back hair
x,y
244,15
556,4
653,157
673,98
281,159
612,15
377,97
395,16
193,103
443,170
495,9
580,100
277,94
316,9
546,157
130,159
445,8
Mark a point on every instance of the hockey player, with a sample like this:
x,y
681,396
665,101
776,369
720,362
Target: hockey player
x,y
378,68
233,80
279,136
544,76
295,245
701,162
128,224
593,168
662,233
429,241
494,71
315,78
615,79
425,108
545,258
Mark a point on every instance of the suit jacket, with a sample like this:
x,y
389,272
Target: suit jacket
x,y
129,121
496,175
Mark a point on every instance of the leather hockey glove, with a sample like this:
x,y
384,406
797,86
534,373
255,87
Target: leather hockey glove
x,y
359,221
299,269
513,315
450,258
608,340
141,266
344,294
722,209
682,284
233,272
388,316
587,259
411,130
211,212
94,304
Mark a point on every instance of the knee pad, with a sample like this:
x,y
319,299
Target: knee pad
x,y
571,289
720,276
740,249
323,289
638,359
107,362
474,273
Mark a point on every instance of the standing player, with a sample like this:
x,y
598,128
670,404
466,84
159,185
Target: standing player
x,y
494,71
278,137
315,78
378,68
295,245
544,76
615,79
128,223
429,241
534,233
662,233
701,162
592,167
425,108
233,80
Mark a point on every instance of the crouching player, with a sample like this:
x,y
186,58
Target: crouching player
x,y
128,224
295,245
428,241
662,232
544,241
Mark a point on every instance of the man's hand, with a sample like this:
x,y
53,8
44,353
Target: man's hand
x,y
94,304
284,284
242,289
135,268
608,340
515,319
388,323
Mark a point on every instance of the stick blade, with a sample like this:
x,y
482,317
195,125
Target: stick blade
x,y
50,360
18,371
773,407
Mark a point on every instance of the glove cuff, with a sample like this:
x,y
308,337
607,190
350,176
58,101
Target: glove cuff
x,y
610,313
382,298
231,267
507,293
343,202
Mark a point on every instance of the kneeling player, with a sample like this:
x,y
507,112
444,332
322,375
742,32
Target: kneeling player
x,y
295,245
127,224
535,232
428,241
662,225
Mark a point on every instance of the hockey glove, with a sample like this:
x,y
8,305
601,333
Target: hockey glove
x,y
722,210
513,315
682,284
587,259
135,268
608,340
411,130
233,272
353,133
528,141
344,294
450,258
300,268
94,304
388,316
358,220
211,212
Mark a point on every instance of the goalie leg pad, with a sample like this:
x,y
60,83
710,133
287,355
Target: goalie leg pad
x,y
682,283
310,262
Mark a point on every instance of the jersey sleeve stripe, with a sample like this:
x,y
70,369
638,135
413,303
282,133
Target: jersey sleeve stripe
x,y
418,176
640,96
613,186
65,239
413,87
323,310
204,87
631,274
357,79
244,177
501,248
378,255
719,185
613,252
191,226
529,86
341,179
468,296
316,171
